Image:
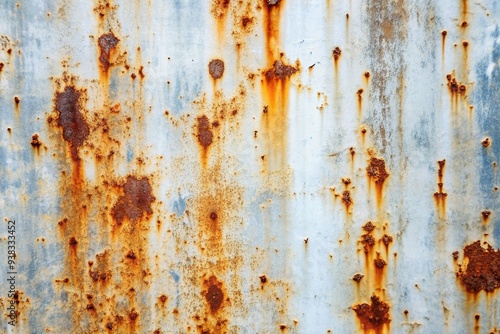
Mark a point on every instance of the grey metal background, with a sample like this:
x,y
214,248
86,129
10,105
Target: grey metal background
x,y
273,175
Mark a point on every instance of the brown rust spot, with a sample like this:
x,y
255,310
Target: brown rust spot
x,y
368,227
214,294
35,141
357,277
107,42
379,263
1,67
367,74
386,239
368,242
17,100
346,198
486,214
263,278
75,128
482,268
373,316
376,170
336,53
73,241
133,315
455,255
280,71
205,136
163,299
216,68
486,142
135,202
131,255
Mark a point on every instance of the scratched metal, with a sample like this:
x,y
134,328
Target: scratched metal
x,y
223,166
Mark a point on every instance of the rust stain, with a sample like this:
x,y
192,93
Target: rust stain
x,y
336,53
216,68
377,172
214,294
486,142
440,195
481,268
271,20
107,43
70,118
280,71
357,278
374,316
486,215
443,44
346,199
135,202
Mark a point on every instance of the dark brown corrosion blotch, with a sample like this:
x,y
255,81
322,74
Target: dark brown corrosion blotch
x,y
280,71
106,43
357,277
483,268
214,294
373,316
135,202
71,120
205,136
376,170
216,68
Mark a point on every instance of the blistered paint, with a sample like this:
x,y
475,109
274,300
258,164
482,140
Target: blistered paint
x,y
271,166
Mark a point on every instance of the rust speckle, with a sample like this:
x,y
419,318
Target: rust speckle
x,y
106,42
455,255
482,271
368,241
75,128
280,71
135,202
486,142
373,316
163,298
17,100
376,170
357,277
263,278
205,135
35,142
214,294
73,241
131,255
216,68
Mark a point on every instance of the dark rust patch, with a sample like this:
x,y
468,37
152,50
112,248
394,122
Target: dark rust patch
x,y
263,278
106,42
373,316
75,128
280,71
482,271
454,86
386,239
357,277
135,202
368,242
35,141
486,214
368,227
379,263
346,198
17,100
376,170
336,53
216,68
204,135
486,142
214,294
133,315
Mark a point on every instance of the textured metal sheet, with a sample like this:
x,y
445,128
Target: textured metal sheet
x,y
295,166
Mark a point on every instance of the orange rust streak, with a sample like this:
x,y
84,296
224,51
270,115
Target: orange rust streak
x,y
272,20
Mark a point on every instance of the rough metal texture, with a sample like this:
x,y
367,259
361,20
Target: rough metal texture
x,y
251,166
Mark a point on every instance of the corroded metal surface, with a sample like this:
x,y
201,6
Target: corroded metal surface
x,y
251,166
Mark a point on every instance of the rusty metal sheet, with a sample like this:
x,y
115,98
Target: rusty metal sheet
x,y
223,166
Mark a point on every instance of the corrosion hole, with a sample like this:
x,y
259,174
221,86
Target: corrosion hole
x,y
486,142
216,68
357,277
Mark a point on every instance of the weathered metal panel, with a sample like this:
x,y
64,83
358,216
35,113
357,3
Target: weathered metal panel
x,y
223,166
